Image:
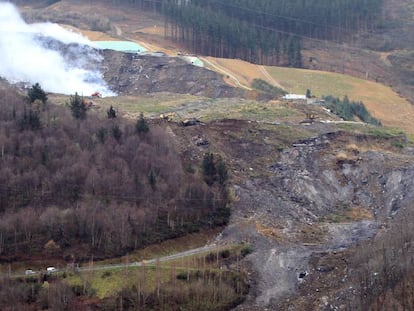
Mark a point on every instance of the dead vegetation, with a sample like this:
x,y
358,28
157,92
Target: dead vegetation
x,y
305,193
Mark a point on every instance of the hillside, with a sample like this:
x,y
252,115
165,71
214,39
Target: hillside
x,y
148,30
382,55
53,162
313,211
386,105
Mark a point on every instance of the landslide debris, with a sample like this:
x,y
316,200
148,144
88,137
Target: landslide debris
x,y
134,74
323,195
306,211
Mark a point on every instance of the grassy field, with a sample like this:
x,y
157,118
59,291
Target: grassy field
x,y
108,282
151,105
189,106
381,101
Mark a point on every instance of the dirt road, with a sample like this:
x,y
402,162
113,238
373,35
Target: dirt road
x,y
191,252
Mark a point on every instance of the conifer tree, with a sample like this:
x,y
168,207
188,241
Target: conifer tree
x,y
209,169
142,125
36,93
78,107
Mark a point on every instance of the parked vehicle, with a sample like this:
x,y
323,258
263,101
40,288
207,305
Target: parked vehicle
x,y
51,269
29,272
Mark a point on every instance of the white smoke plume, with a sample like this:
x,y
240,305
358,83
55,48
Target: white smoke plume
x,y
25,58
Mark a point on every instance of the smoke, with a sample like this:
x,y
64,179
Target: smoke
x,y
61,61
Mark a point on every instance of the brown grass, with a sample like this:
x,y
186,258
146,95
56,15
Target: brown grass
x,y
273,233
244,72
310,234
342,156
382,102
359,213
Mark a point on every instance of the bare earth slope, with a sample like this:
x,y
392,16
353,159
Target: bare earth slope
x,y
130,74
301,200
301,193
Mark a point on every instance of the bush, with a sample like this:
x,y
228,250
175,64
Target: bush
x,y
246,250
225,254
182,276
106,274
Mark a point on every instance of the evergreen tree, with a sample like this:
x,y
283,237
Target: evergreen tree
x,y
111,113
78,107
141,126
36,93
258,31
222,172
101,134
152,179
116,133
29,120
209,169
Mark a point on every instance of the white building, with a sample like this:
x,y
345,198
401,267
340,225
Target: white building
x,y
294,96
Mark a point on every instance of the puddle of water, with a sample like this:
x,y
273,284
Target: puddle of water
x,y
121,46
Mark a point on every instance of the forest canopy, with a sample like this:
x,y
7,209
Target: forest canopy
x,y
94,181
262,31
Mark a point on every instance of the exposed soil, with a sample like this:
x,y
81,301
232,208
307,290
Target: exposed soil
x,y
303,195
305,205
130,74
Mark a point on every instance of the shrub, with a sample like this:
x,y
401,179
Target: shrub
x,y
246,250
225,253
106,274
182,276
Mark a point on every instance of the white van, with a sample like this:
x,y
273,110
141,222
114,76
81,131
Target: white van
x,y
51,269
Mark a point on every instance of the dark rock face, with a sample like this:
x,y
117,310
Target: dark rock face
x,y
326,181
133,74
302,204
317,177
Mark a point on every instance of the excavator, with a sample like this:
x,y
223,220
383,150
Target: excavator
x,y
310,118
172,116
167,116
